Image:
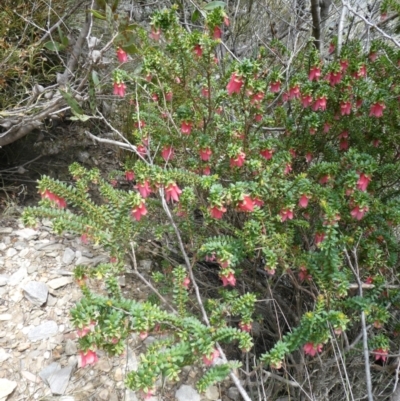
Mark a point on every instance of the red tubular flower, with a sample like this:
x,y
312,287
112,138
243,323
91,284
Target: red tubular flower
x,y
303,201
226,20
309,157
286,214
363,181
315,73
245,326
358,212
319,237
372,56
186,282
312,349
168,96
119,89
288,169
144,188
129,175
186,127
205,154
306,100
332,48
138,211
208,361
344,64
235,84
345,108
198,51
205,92
319,104
327,127
206,170
267,153
334,78
167,153
172,192
303,274
238,161
258,202
87,358
230,279
343,144
257,98
122,56
381,353
141,150
155,34
60,202
217,33
246,205
376,109
294,92
275,87
217,212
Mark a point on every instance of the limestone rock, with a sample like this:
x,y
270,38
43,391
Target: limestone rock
x,y
18,276
212,393
26,233
36,292
6,387
59,282
187,393
48,371
70,348
44,330
59,380
69,256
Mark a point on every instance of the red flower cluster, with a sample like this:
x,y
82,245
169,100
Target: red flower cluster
x,y
119,89
60,202
208,360
144,188
217,212
87,358
172,192
238,161
312,349
235,84
122,56
138,211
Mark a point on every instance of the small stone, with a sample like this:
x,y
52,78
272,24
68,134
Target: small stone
x,y
118,375
233,394
187,393
46,355
104,365
5,316
104,394
18,276
4,279
66,398
70,348
59,380
130,395
6,388
145,264
30,376
59,282
6,230
4,355
48,371
11,252
47,222
43,331
36,292
69,256
3,246
33,267
23,347
212,393
132,361
26,233
122,281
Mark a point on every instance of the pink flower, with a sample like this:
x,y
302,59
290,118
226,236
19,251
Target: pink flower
x,y
87,358
313,131
141,150
143,188
155,34
206,170
363,181
294,92
138,211
238,161
312,349
245,326
228,280
303,201
258,97
267,153
235,84
154,96
258,117
167,153
84,331
286,214
319,104
327,127
288,168
122,56
172,192
186,282
324,179
303,274
205,154
372,56
258,202
376,109
358,213
186,127
309,157
208,361
217,212
334,78
198,51
315,73
129,175
168,96
143,335
119,89
246,205
319,237
359,103
344,64
60,202
226,20
332,48
217,33
345,108
205,92
275,87
343,144
381,353
306,100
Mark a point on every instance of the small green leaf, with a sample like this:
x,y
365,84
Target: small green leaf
x,y
80,117
97,15
196,15
71,102
213,5
109,15
54,46
95,78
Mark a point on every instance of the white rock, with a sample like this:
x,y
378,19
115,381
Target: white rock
x,y
36,292
187,393
3,246
18,276
45,330
5,316
212,393
233,394
59,282
69,256
11,252
130,395
6,387
4,355
70,348
26,233
4,279
5,230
